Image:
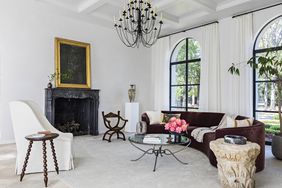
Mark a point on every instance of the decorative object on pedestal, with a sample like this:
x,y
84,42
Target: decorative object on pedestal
x,y
141,127
235,139
235,163
132,92
138,23
176,126
72,64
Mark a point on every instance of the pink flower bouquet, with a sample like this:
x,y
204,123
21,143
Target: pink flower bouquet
x,y
176,125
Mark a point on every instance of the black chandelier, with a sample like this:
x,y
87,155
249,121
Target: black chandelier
x,y
138,23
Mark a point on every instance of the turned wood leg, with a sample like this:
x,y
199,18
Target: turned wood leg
x,y
54,156
45,163
26,159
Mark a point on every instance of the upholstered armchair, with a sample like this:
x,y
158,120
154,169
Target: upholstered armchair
x,y
28,118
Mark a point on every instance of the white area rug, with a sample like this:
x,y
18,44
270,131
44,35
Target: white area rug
x,y
101,164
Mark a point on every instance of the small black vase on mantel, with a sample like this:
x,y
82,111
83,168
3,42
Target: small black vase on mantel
x,y
49,85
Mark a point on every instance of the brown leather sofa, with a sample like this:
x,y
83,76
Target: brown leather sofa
x,y
254,133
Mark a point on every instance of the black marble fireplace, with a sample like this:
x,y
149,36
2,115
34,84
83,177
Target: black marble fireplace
x,y
73,110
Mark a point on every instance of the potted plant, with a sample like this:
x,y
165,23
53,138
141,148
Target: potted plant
x,y
269,66
51,78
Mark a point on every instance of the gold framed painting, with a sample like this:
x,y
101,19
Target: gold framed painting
x,y
72,63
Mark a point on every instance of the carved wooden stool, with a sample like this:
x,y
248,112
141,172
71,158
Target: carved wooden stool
x,y
235,163
32,139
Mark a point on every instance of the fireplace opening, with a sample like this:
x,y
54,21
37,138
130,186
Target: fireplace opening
x,y
72,115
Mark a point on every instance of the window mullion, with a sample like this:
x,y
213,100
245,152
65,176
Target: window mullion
x,y
187,81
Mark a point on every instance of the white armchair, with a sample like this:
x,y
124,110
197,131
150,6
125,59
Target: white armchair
x,y
28,118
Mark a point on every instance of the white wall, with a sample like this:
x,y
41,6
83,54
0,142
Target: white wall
x,y
27,32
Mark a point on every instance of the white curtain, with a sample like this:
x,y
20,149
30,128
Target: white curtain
x,y
210,99
241,86
160,73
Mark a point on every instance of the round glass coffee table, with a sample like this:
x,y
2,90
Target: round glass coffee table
x,y
157,147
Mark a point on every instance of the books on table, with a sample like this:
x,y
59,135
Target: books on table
x,y
152,139
37,135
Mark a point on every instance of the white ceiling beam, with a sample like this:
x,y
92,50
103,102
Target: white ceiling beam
x,y
193,15
204,4
90,5
117,3
230,3
103,16
163,4
59,4
171,19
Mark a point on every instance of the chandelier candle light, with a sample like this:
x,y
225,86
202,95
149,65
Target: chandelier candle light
x,y
138,23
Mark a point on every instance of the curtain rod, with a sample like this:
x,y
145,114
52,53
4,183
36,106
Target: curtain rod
x,y
183,31
256,10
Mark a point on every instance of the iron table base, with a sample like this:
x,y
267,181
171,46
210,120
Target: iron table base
x,y
157,150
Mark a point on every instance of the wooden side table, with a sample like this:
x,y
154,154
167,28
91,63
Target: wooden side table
x,y
235,163
32,139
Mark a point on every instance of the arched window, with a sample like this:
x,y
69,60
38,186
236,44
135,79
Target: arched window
x,y
269,40
185,76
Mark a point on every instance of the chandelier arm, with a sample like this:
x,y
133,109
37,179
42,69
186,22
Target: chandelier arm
x,y
133,25
125,34
150,37
150,27
120,37
127,38
156,38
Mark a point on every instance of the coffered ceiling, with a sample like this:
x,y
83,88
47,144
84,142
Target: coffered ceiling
x,y
177,14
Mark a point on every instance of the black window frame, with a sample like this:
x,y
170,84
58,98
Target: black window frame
x,y
256,52
186,62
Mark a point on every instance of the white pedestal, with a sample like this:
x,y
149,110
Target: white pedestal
x,y
132,115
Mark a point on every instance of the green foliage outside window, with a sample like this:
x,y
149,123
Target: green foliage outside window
x,y
190,50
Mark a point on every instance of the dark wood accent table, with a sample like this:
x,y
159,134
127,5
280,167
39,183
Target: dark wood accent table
x,y
32,139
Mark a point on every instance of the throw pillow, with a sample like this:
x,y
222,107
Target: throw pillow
x,y
223,122
166,117
155,117
239,123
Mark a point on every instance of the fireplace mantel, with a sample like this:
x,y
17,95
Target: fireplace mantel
x,y
91,110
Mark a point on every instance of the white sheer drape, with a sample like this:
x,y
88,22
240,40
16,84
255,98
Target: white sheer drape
x,y
210,98
160,73
241,86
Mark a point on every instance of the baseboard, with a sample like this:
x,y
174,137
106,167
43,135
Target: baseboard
x,y
3,142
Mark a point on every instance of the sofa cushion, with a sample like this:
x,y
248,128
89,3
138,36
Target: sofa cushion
x,y
230,122
166,117
154,116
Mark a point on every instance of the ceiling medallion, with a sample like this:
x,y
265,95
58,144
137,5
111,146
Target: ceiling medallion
x,y
138,23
